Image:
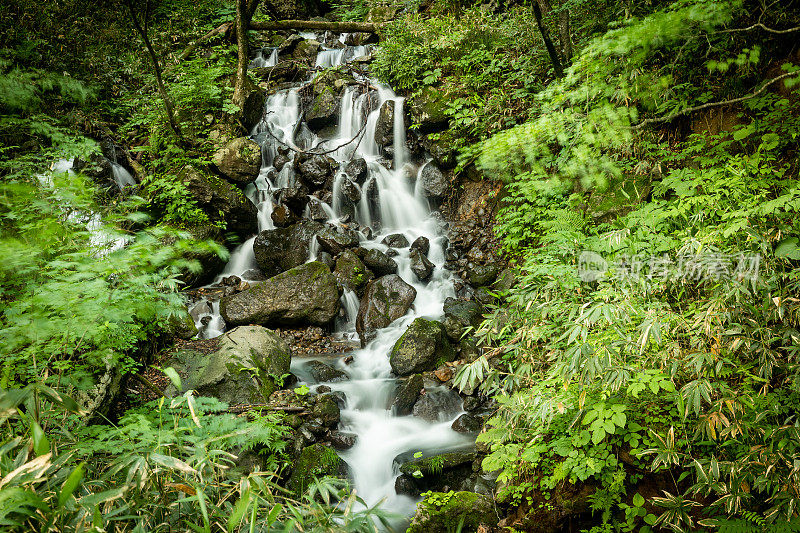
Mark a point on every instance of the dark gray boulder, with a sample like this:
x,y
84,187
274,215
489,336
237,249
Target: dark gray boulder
x,y
277,250
321,372
385,300
424,346
384,126
356,169
350,190
395,240
420,265
315,170
408,392
220,199
467,423
422,244
438,404
434,183
482,275
335,239
380,263
304,295
316,461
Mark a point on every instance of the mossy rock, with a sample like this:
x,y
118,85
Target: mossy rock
x,y
422,347
436,464
351,273
244,369
442,512
429,110
182,325
316,461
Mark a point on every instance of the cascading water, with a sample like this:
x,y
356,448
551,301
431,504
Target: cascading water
x,y
381,437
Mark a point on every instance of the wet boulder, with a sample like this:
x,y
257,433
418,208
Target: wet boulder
x,y
284,71
342,440
220,200
315,170
295,197
322,372
434,183
279,249
316,461
282,216
384,126
443,512
459,315
351,190
429,109
482,275
385,300
326,410
408,392
356,169
422,347
240,371
467,423
316,211
239,160
420,265
380,263
442,148
351,273
335,239
289,44
395,240
306,51
446,471
437,404
304,295
281,159
422,244
323,110
252,104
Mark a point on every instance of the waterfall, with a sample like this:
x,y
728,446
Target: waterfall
x,y
388,197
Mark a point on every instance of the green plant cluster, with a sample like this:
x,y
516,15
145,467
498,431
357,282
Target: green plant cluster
x,y
662,364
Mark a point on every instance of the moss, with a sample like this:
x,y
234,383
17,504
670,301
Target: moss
x,y
316,461
449,511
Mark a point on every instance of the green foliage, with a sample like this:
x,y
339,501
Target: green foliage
x,y
692,373
162,457
479,63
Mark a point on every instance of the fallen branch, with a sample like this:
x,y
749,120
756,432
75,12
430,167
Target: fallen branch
x,y
762,27
688,110
361,27
220,30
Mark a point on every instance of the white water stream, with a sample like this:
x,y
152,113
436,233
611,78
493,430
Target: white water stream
x,y
381,436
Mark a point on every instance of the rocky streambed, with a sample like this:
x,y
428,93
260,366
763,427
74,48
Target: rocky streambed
x,y
346,303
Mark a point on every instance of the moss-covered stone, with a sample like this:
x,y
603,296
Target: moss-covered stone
x,y
316,461
442,512
422,347
435,464
351,273
428,110
244,369
304,295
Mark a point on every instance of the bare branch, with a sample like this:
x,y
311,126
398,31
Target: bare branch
x,y
759,25
688,110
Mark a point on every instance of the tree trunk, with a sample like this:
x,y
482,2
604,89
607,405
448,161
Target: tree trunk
x,y
362,27
548,42
141,29
565,33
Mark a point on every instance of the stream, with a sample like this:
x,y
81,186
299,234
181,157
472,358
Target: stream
x,y
382,438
